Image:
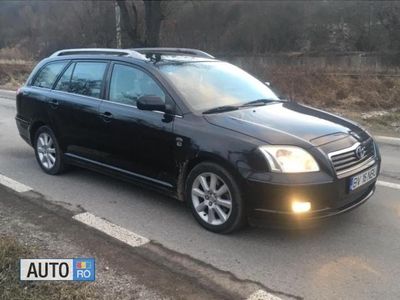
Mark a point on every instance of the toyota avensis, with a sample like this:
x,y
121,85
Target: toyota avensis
x,y
198,129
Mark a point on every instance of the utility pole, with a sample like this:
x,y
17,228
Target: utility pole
x,y
118,24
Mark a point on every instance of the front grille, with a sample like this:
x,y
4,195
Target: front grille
x,y
347,159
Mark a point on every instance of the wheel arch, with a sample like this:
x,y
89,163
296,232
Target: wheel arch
x,y
34,128
188,165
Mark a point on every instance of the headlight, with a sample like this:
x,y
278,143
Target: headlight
x,y
289,159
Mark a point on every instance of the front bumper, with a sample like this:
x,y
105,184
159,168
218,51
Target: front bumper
x,y
270,202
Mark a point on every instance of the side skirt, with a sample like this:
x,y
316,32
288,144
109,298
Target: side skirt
x,y
148,182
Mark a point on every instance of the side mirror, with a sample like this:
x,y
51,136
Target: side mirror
x,y
150,103
267,83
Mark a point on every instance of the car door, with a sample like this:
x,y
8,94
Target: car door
x,y
136,141
74,106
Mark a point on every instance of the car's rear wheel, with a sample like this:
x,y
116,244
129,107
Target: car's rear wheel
x,y
215,198
48,152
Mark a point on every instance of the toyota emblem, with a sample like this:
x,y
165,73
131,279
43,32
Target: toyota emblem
x,y
360,152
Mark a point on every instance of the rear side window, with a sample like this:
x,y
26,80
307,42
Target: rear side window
x,y
48,75
87,78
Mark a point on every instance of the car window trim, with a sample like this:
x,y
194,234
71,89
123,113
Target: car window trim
x,y
62,73
108,83
40,88
79,95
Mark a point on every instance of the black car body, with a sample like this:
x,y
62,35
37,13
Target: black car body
x,y
160,144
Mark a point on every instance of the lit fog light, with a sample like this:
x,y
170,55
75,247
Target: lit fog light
x,y
299,207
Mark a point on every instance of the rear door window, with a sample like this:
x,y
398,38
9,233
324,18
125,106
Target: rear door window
x,y
48,75
87,78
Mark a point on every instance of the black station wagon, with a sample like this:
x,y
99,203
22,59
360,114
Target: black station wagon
x,y
198,129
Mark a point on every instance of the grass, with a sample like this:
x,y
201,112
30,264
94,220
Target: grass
x,y
390,119
12,288
378,122
13,75
357,92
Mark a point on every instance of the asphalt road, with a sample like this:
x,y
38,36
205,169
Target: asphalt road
x,y
352,256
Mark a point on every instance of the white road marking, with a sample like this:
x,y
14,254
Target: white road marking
x,y
113,230
388,184
8,91
262,295
8,94
14,185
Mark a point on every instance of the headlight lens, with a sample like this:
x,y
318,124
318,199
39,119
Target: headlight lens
x,y
289,159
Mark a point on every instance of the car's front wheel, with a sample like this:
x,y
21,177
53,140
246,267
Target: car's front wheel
x,y
48,152
215,198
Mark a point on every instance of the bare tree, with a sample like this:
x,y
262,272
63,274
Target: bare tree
x,y
130,19
153,19
130,23
222,27
389,17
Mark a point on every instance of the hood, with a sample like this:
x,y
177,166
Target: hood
x,y
288,123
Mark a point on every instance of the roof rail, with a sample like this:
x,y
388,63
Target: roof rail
x,y
172,51
106,51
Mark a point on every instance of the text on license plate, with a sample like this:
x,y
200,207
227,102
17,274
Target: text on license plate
x,y
362,178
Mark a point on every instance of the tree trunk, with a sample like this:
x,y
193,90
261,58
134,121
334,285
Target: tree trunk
x,y
153,19
129,22
118,25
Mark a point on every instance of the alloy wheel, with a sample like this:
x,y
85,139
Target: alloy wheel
x,y
46,150
211,198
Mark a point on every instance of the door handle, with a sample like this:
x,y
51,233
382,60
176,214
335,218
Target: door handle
x,y
107,116
54,103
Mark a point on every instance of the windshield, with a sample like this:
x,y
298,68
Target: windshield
x,y
207,85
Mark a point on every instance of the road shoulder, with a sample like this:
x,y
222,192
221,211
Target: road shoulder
x,y
153,272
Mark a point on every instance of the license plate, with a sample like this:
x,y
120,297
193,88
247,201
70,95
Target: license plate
x,y
363,178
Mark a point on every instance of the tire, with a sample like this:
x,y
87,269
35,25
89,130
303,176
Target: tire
x,y
210,205
48,152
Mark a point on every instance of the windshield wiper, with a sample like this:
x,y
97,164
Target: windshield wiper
x,y
258,102
220,109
